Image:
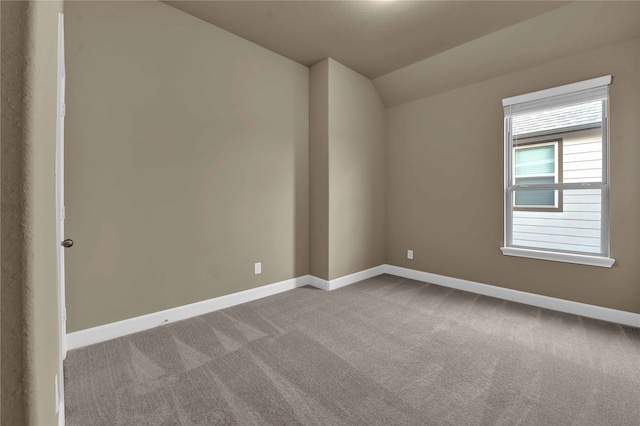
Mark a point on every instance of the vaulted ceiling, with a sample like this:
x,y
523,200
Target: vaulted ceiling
x,y
371,37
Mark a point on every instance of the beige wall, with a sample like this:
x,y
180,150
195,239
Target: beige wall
x,y
29,282
357,173
160,134
319,170
445,185
347,172
187,161
14,23
576,27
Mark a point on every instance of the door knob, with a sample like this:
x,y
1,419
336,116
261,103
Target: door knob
x,y
67,243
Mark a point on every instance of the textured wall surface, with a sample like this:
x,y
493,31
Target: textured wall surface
x,y
40,298
186,162
14,18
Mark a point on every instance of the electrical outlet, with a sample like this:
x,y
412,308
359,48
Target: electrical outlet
x,y
257,268
409,254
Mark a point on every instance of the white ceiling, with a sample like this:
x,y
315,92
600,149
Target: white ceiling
x,y
372,37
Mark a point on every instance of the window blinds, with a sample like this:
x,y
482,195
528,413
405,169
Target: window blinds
x,y
535,160
583,91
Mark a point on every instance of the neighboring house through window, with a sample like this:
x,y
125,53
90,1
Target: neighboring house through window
x,y
538,163
556,186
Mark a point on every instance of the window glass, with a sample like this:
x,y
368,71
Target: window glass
x,y
535,165
556,191
535,160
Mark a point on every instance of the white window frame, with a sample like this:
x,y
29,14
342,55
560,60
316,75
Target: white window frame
x,y
555,173
540,97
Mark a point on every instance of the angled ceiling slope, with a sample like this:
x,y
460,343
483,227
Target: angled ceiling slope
x,y
572,29
370,37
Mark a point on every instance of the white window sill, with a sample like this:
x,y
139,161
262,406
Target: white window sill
x,y
581,259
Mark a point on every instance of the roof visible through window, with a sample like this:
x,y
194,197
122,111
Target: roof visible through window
x,y
566,117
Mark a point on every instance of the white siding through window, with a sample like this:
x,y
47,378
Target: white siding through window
x,y
578,225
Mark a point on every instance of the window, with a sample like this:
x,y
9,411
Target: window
x,y
537,163
556,179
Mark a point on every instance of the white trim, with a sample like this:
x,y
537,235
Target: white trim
x,y
560,90
561,305
105,332
557,96
345,280
59,185
356,277
61,418
113,330
319,283
580,259
59,193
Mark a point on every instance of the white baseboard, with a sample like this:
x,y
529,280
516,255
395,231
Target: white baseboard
x,y
61,418
319,283
561,305
347,279
113,330
110,331
105,332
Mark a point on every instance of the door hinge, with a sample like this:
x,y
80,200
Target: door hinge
x,y
63,213
64,314
64,110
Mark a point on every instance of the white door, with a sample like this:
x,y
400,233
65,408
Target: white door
x,y
62,243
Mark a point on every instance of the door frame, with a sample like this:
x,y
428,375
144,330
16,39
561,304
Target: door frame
x,y
60,216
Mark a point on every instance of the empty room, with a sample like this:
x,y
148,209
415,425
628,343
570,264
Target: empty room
x,y
320,212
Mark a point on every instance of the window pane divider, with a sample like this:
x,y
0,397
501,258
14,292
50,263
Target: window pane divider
x,y
557,186
535,176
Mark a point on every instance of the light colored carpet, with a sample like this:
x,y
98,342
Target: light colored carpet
x,y
385,351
